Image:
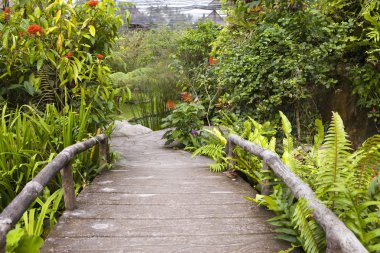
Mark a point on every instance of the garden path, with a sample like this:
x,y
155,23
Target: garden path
x,y
157,199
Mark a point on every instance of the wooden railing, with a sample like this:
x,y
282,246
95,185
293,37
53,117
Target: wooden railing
x,y
339,237
62,162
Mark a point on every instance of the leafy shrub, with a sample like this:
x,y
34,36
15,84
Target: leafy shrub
x,y
276,65
187,120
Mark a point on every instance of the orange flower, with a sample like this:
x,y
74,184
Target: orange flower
x,y
212,60
186,97
69,55
170,104
7,13
92,3
100,56
35,29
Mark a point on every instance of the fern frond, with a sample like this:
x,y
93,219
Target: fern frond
x,y
218,135
368,164
218,166
286,125
312,235
320,135
335,159
214,151
47,93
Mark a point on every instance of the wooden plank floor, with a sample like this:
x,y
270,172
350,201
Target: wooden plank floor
x,y
161,200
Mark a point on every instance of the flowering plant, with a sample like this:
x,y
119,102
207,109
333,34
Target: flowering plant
x,y
187,120
58,53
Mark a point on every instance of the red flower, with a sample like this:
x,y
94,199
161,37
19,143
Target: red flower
x,y
69,55
186,97
35,29
7,13
92,3
212,60
100,56
170,104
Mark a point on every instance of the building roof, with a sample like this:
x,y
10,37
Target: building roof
x,y
216,18
215,4
137,18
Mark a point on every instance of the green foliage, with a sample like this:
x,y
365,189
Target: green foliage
x,y
311,233
139,49
29,238
53,64
335,161
272,66
214,147
194,47
346,181
143,60
186,119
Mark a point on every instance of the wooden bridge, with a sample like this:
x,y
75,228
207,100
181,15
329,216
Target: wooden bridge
x,y
161,200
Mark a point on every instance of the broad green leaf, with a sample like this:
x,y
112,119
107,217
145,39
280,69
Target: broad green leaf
x,y
92,30
30,244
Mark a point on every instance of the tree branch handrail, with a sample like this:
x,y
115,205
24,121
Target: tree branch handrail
x,y
62,162
339,237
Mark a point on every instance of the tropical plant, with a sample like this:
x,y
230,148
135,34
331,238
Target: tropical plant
x,y
213,146
52,50
345,180
187,120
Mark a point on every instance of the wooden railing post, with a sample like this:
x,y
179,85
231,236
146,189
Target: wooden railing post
x,y
68,187
230,153
103,152
265,187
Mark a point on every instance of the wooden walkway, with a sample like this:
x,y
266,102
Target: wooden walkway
x,y
161,200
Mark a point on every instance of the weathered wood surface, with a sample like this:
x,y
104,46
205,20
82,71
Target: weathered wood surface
x,y
339,237
160,200
14,211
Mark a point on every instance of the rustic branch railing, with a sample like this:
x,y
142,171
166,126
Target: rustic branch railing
x,y
339,237
62,162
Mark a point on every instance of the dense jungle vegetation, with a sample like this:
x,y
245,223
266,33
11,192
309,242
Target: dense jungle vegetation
x,y
300,78
55,91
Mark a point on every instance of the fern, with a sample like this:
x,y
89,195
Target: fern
x,y
218,166
281,202
47,93
368,164
214,151
288,156
335,160
362,218
312,235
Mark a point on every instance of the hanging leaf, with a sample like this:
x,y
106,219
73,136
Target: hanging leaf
x,y
92,30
